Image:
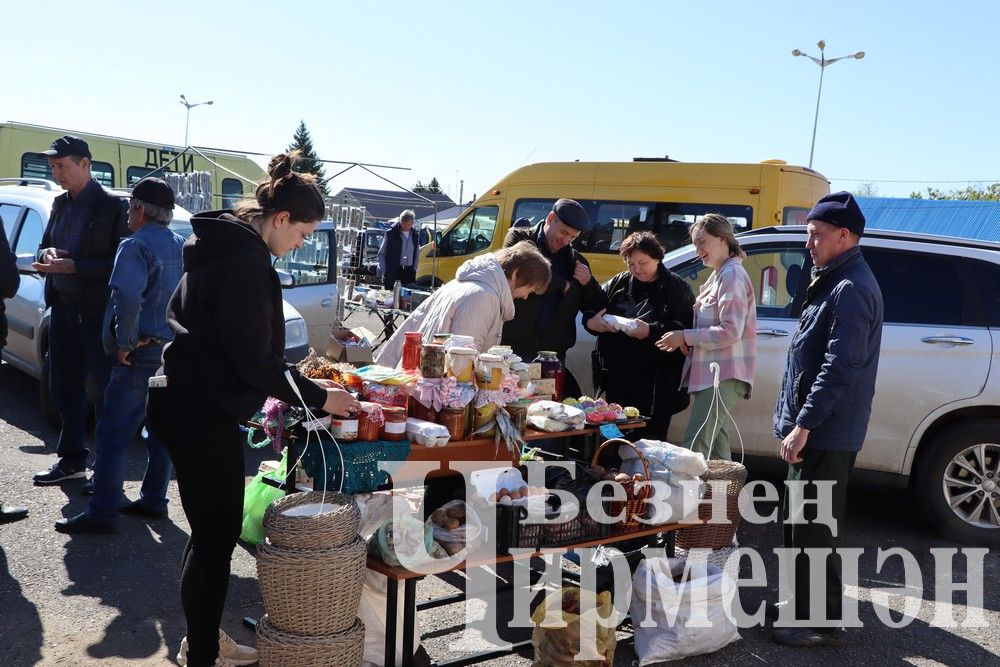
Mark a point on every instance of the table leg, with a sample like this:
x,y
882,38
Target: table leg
x,y
391,608
409,619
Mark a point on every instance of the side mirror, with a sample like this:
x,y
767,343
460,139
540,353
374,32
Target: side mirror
x,y
24,263
285,278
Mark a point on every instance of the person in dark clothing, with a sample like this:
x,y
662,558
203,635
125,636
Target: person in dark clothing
x,y
226,358
548,321
631,369
76,256
824,406
399,252
9,281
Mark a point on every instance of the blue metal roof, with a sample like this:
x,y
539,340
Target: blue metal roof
x,y
960,218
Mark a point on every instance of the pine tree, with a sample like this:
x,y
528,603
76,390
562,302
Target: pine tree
x,y
433,188
308,160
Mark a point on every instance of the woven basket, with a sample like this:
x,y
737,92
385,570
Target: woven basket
x,y
311,593
281,649
716,535
335,526
635,499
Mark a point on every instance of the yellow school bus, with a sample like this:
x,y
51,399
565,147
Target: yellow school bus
x,y
121,163
661,196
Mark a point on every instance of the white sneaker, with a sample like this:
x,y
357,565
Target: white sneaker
x,y
231,654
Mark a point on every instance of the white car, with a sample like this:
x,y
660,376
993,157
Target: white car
x,y
24,208
936,412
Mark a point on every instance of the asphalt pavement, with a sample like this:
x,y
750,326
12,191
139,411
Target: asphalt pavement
x,y
114,600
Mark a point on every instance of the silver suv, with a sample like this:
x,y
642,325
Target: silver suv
x,y
24,209
936,413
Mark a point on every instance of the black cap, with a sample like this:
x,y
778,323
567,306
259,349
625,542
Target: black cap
x,y
154,191
571,213
68,145
840,209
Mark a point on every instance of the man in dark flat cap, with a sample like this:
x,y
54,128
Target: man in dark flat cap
x,y
76,255
548,321
146,271
823,409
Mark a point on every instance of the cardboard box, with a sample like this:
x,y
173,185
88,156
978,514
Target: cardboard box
x,y
340,349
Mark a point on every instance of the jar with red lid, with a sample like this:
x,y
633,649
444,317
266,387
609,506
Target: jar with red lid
x,y
412,345
370,421
394,427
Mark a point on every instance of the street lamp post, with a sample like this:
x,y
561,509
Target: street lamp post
x,y
187,120
823,63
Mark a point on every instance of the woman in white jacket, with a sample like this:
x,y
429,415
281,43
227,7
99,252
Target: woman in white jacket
x,y
478,301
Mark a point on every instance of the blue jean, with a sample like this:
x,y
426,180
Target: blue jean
x,y
75,354
123,414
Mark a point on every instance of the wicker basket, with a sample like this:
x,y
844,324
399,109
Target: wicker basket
x,y
335,526
716,535
635,499
281,649
311,593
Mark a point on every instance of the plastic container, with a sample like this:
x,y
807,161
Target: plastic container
x,y
432,360
454,420
552,369
370,422
395,424
411,350
461,362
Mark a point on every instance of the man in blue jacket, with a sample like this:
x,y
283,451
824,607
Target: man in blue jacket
x,y
146,271
825,402
400,252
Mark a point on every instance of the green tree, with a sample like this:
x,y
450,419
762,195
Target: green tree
x,y
308,161
972,192
432,188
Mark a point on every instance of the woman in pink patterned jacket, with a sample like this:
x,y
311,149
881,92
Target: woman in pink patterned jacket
x,y
725,332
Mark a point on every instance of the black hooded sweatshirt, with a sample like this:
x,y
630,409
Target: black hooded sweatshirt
x,y
227,317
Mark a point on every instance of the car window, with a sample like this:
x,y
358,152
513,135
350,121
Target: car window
x,y
310,264
986,278
30,236
9,214
473,233
775,272
921,288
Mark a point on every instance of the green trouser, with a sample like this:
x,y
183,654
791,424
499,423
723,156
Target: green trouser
x,y
818,465
709,423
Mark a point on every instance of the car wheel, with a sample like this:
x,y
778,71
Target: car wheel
x,y
958,482
49,410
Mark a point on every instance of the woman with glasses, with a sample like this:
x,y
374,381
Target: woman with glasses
x,y
651,300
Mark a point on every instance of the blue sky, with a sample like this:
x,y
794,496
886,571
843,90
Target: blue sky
x,y
474,90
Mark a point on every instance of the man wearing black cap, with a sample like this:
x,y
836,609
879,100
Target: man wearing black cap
x,y
76,255
548,321
823,408
146,271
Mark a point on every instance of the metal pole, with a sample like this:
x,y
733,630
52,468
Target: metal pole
x,y
822,67
187,123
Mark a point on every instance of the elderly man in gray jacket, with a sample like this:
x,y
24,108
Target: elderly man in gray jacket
x,y
825,402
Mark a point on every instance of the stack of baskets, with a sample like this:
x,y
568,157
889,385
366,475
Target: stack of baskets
x,y
311,568
716,535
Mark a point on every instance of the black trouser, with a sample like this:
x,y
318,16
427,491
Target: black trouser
x,y
819,465
654,391
206,447
406,276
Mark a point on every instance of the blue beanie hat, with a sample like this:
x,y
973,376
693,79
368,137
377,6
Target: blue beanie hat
x,y
839,209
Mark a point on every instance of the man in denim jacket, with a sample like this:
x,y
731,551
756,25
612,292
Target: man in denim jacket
x,y
146,272
825,402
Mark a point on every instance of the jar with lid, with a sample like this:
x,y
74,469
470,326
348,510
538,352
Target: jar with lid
x,y
520,369
440,338
394,427
432,360
490,370
461,362
453,419
483,416
344,429
370,421
552,369
411,350
418,410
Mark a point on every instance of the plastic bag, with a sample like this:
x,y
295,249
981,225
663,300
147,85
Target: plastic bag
x,y
455,526
666,458
411,539
673,605
257,496
557,644
371,611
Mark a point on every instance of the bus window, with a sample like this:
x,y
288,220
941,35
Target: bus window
x,y
135,174
794,216
36,165
232,192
